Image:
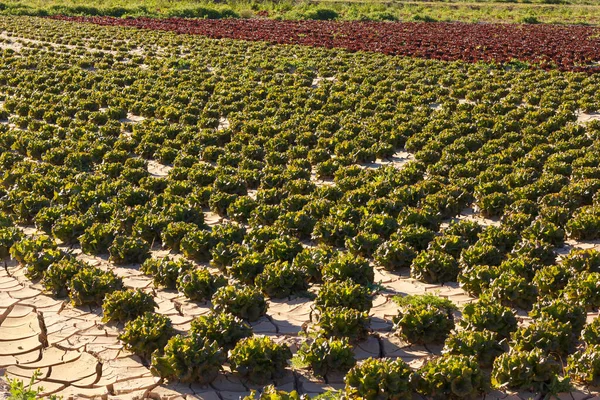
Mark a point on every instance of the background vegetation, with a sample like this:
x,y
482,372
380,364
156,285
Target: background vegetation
x,y
520,11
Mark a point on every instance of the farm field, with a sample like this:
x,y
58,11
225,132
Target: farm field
x,y
584,12
203,217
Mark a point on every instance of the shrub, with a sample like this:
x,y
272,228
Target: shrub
x,y
551,280
477,278
449,244
418,237
174,232
394,255
125,305
483,345
580,260
26,247
363,244
241,209
224,328
550,335
8,237
18,391
562,311
271,393
165,271
312,260
247,267
585,225
91,285
534,252
379,379
493,204
259,359
223,255
97,238
481,254
189,359
58,276
333,231
284,248
530,19
424,319
487,314
591,332
347,266
147,333
344,294
327,355
545,231
281,279
243,302
533,370
468,230
322,14
128,250
499,237
584,289
450,377
198,284
68,228
37,263
424,18
432,266
343,322
197,244
382,16
583,366
513,290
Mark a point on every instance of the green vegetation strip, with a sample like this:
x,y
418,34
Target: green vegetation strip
x,y
575,12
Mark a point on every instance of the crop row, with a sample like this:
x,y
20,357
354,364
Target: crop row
x,y
547,46
296,150
486,331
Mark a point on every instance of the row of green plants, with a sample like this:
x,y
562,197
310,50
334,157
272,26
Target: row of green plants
x,y
209,10
286,160
490,328
279,267
490,335
298,216
554,11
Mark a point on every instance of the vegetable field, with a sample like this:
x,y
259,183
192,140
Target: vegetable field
x,y
566,48
199,217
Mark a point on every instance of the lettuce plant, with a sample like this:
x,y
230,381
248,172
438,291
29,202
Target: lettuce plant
x,y
259,359
424,319
147,333
384,379
126,305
